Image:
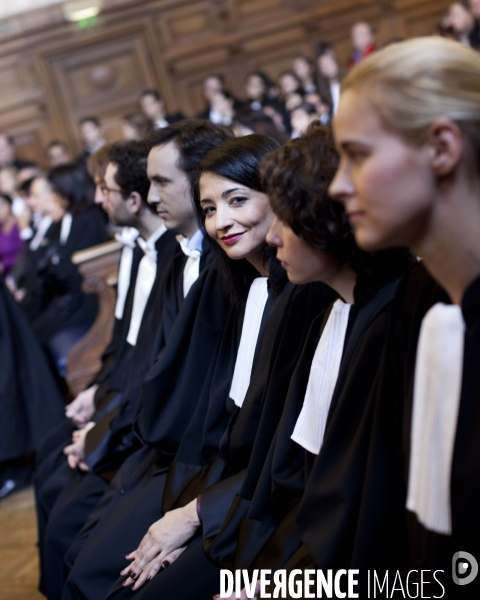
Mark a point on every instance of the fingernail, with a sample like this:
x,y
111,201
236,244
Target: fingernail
x,y
165,564
149,577
125,583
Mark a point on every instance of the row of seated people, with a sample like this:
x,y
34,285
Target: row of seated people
x,y
263,404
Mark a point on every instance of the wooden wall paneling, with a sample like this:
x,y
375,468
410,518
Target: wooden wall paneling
x,y
52,73
100,75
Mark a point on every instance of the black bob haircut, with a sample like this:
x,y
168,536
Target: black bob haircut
x,y
238,159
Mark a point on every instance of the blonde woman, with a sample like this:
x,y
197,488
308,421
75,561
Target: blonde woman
x,y
408,130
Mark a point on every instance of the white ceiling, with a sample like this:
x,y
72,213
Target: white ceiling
x,y
12,7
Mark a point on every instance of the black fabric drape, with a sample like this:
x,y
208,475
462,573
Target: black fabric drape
x,y
31,402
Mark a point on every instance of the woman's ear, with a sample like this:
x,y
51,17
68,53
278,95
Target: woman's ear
x,y
446,145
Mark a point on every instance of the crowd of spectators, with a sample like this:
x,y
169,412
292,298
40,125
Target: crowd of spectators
x,y
33,204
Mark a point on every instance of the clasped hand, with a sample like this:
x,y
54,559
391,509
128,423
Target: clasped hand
x,y
76,451
163,544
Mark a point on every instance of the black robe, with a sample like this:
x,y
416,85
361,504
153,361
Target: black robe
x,y
61,302
369,533
134,498
31,402
265,507
66,497
193,333
433,551
218,473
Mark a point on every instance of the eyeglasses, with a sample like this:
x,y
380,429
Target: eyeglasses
x,y
106,190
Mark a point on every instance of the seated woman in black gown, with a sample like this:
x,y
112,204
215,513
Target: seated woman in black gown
x,y
231,208
65,312
408,130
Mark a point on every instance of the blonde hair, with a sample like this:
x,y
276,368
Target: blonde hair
x,y
413,83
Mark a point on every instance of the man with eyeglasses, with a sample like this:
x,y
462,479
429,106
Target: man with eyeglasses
x,y
148,251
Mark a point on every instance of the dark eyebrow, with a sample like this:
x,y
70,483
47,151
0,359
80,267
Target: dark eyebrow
x,y
227,192
158,177
205,200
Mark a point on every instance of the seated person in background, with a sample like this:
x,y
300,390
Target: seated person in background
x,y
288,84
301,118
363,42
7,154
329,76
213,85
10,240
248,121
463,23
303,69
135,126
222,111
22,281
64,312
9,186
153,107
57,153
91,133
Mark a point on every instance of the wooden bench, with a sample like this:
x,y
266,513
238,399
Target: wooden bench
x,y
99,267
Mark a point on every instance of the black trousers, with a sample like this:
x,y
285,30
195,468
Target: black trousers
x,y
47,491
67,517
115,528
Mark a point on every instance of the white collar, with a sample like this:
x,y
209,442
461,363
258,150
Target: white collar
x,y
193,243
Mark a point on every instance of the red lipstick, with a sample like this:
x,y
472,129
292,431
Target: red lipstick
x,y
231,239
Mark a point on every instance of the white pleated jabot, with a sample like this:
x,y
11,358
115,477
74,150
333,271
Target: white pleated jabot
x,y
127,237
43,226
65,228
147,271
310,426
193,249
257,298
436,402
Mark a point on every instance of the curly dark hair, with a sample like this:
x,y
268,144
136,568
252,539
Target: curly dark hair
x,y
238,159
193,138
296,178
131,160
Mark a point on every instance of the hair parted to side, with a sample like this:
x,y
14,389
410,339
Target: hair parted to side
x,y
193,138
415,82
131,160
239,159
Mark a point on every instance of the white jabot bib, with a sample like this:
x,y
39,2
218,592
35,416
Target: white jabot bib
x,y
65,228
257,298
127,237
193,249
42,229
310,426
436,401
147,271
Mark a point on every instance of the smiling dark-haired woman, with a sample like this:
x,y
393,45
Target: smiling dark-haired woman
x,y
328,414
